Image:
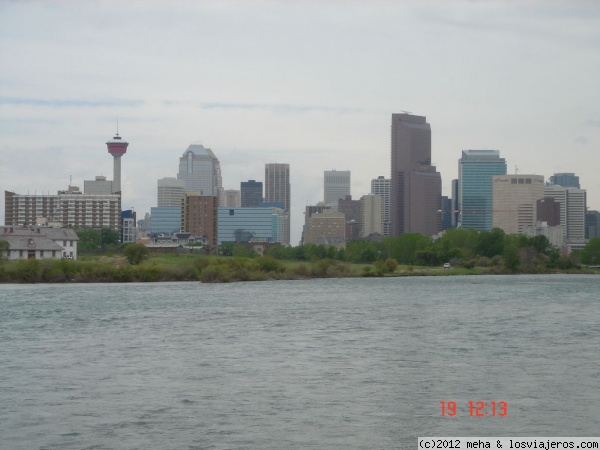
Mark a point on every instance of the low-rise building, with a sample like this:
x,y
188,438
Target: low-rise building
x,y
35,242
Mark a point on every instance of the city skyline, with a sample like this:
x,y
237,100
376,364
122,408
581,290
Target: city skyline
x,y
307,84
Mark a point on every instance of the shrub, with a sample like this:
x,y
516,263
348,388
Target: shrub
x,y
391,265
269,264
301,270
469,264
136,253
215,273
27,270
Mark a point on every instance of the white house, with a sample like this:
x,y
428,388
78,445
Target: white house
x,y
40,242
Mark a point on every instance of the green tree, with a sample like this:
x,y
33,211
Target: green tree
x,y
241,251
359,251
491,243
404,249
511,258
591,252
136,253
461,241
541,244
89,239
110,237
226,249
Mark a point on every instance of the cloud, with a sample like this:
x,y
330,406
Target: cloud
x,y
593,123
271,107
56,103
282,108
581,140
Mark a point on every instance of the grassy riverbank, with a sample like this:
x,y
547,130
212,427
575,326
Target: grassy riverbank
x,y
213,269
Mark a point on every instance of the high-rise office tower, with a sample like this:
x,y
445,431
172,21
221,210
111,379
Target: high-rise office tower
x,y
170,192
117,148
572,211
277,190
592,224
454,205
199,168
475,171
446,212
383,186
252,193
351,210
371,206
233,198
336,185
416,185
514,201
565,179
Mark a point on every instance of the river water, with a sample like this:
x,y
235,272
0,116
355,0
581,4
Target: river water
x,y
333,363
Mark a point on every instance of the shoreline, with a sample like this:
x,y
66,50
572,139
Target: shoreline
x,y
231,269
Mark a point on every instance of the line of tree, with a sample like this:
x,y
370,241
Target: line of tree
x,y
91,240
462,247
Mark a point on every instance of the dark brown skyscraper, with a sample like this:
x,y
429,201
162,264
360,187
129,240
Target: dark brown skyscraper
x,y
416,185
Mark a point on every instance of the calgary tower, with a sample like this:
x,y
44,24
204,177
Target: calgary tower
x,y
117,148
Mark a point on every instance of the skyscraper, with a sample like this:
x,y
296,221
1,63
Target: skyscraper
x,y
252,193
233,198
515,200
277,190
170,192
336,185
565,179
572,211
199,168
416,185
475,171
382,186
371,214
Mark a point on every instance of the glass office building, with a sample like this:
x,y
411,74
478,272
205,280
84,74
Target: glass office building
x,y
250,225
475,171
165,220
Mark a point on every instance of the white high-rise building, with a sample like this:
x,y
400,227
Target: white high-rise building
x,y
170,192
371,214
233,198
572,211
99,186
383,187
515,201
336,186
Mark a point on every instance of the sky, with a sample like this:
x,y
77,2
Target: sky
x,y
309,83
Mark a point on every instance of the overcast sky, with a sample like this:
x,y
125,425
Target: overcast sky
x,y
309,83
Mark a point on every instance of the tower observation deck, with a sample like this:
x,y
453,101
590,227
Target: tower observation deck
x,y
117,148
